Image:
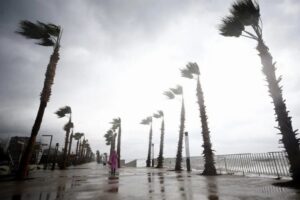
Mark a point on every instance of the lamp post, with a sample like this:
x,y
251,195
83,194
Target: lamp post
x,y
187,152
152,154
51,136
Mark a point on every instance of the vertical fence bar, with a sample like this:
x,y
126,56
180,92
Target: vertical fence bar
x,y
225,165
268,167
275,164
242,164
280,166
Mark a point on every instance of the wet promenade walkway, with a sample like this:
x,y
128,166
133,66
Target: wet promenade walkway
x,y
92,181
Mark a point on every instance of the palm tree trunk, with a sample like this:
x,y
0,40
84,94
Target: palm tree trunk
x,y
45,96
70,144
289,139
209,165
77,152
160,159
65,156
148,161
119,145
180,140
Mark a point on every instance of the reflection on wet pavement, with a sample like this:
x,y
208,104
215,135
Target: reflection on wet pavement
x,y
94,182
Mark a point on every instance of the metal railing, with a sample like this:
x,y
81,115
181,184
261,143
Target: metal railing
x,y
267,164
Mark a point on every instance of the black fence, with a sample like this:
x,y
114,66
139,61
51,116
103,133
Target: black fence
x,y
262,164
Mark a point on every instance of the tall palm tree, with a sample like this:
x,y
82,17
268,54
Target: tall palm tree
x,y
171,95
246,14
160,158
116,123
77,136
62,112
47,35
148,121
192,71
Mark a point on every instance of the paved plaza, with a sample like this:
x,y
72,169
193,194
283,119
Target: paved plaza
x,y
92,181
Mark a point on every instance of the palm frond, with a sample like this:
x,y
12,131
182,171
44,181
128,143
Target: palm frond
x,y
186,73
159,114
146,121
247,12
116,121
78,135
193,68
68,126
46,34
178,90
51,29
169,94
63,111
231,26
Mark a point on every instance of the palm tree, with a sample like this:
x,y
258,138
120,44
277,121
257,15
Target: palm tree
x,y
148,121
192,71
62,112
171,95
116,123
160,158
47,35
246,14
77,136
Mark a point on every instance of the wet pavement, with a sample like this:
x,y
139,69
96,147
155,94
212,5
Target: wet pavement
x,y
92,181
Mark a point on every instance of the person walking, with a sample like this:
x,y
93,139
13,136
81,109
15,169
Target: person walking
x,y
113,162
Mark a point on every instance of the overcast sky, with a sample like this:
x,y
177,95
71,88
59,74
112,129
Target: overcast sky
x,y
118,56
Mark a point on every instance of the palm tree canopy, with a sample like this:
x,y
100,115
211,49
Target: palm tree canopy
x,y
159,114
68,126
77,136
46,34
186,73
146,121
116,123
231,26
169,94
63,111
193,68
246,12
109,136
178,90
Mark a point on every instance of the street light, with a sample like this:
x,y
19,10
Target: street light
x,y
187,151
51,136
152,154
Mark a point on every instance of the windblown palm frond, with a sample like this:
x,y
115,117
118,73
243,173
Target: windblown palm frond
x,y
186,73
77,136
193,68
47,34
51,29
159,114
146,121
63,111
116,123
68,126
178,90
109,136
231,26
169,94
246,12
